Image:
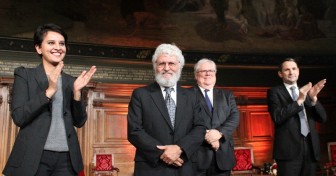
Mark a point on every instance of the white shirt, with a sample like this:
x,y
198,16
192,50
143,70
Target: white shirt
x,y
210,94
288,86
173,94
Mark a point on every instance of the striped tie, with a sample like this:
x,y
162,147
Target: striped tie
x,y
303,122
170,105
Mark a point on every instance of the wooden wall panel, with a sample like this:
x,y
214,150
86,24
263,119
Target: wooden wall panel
x,y
241,131
115,126
4,126
262,151
8,130
107,108
256,130
261,125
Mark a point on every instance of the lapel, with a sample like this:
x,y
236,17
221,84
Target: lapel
x,y
65,86
288,96
216,99
181,99
217,104
41,77
289,99
157,97
43,83
284,92
202,101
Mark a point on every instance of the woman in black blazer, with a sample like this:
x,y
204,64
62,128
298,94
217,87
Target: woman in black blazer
x,y
47,104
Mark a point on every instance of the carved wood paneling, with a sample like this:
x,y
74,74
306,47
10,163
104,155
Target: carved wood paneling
x,y
115,127
107,123
256,130
262,151
261,126
8,130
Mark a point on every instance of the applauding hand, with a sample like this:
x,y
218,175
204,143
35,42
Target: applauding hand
x,y
82,80
316,89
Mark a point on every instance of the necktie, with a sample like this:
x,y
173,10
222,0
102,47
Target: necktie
x,y
170,105
207,99
303,122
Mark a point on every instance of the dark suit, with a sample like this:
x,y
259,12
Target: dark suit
x,y
284,113
225,118
149,125
31,111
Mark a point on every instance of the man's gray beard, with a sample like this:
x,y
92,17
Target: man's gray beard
x,y
167,83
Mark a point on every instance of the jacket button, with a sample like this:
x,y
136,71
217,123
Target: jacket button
x,y
65,113
171,133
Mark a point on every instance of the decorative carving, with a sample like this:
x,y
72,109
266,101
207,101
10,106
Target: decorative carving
x,y
143,54
97,103
9,83
242,100
140,54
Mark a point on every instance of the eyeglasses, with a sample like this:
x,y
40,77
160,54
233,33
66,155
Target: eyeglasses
x,y
206,71
163,64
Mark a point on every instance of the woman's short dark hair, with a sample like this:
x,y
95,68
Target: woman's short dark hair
x,y
42,30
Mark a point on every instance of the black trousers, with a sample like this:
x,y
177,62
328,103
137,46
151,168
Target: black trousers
x,y
55,164
304,165
213,170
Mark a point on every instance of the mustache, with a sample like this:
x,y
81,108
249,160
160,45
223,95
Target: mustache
x,y
165,72
168,82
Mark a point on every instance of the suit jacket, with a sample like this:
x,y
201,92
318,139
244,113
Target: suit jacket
x,y
284,113
31,111
225,118
149,125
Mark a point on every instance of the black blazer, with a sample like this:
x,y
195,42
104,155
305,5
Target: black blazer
x,y
225,118
31,111
284,113
149,125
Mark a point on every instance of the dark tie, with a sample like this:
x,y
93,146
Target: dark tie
x,y
207,99
303,122
170,105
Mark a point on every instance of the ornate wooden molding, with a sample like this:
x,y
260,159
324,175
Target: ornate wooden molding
x,y
145,54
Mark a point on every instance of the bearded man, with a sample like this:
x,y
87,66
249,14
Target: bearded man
x,y
165,122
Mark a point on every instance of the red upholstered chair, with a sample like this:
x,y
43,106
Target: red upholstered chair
x,y
81,173
332,153
244,160
104,165
330,167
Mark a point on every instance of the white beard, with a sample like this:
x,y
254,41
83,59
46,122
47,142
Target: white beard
x,y
167,82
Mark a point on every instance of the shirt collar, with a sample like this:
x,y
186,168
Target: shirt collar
x,y
288,86
202,89
163,88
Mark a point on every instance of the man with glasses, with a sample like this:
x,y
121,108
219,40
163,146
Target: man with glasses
x,y
164,120
216,155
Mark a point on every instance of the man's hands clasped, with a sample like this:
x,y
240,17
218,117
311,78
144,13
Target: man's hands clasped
x,y
171,155
212,137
